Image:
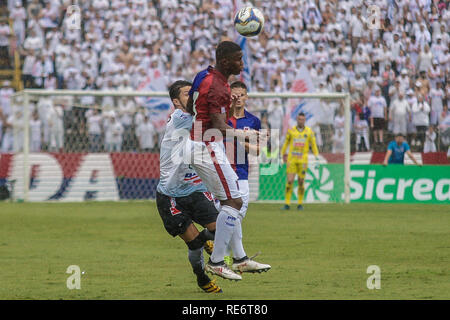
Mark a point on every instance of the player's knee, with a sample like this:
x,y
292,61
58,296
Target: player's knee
x,y
237,203
195,244
211,227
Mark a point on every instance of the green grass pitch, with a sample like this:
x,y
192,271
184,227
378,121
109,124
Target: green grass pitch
x,y
320,253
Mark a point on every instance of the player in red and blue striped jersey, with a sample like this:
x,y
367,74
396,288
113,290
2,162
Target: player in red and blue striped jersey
x,y
242,119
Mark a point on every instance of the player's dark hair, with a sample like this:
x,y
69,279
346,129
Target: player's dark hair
x,y
225,49
174,89
300,114
238,84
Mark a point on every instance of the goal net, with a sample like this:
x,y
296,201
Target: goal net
x,y
62,145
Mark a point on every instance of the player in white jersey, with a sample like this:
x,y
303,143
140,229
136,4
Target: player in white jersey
x,y
181,197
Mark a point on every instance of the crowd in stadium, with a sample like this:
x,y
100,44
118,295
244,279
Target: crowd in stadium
x,y
397,71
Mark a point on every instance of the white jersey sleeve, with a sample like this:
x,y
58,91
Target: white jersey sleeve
x,y
177,177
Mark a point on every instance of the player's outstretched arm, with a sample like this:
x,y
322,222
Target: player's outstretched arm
x,y
218,121
410,155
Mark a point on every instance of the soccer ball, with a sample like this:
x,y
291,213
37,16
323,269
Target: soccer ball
x,y
249,21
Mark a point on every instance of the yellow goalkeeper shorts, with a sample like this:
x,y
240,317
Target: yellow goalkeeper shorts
x,y
298,168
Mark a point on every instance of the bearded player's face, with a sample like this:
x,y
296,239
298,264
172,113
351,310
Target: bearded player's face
x,y
184,96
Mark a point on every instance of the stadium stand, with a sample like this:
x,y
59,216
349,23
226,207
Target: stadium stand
x,y
120,43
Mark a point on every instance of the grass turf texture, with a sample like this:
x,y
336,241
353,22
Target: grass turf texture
x,y
320,253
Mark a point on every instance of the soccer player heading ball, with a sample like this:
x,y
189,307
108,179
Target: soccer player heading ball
x,y
211,105
298,139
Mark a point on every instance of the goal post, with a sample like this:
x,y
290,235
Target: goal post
x,y
28,100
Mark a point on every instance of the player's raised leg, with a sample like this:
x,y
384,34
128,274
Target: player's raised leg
x,y
177,222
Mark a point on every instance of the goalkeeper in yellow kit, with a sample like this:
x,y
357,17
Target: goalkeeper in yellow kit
x,y
298,140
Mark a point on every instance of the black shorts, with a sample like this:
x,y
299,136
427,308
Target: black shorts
x,y
378,124
178,213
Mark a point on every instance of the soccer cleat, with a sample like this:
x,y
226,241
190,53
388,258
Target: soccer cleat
x,y
222,270
209,246
249,265
300,207
211,287
286,207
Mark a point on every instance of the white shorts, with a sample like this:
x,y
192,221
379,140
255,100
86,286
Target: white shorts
x,y
211,164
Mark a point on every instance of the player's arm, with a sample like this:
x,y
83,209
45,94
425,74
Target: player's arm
x,y
387,156
312,141
410,155
252,149
218,121
287,142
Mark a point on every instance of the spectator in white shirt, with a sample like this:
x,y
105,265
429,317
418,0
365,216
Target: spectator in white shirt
x,y
18,15
113,134
420,113
33,42
5,97
56,125
146,135
362,133
430,137
437,96
425,59
93,121
378,111
4,42
35,132
399,113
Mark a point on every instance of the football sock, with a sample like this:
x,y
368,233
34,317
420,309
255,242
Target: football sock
x,y
289,188
196,259
236,241
301,193
225,226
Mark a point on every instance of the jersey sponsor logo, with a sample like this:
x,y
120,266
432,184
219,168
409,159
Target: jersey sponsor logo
x,y
299,144
297,154
173,210
208,196
192,178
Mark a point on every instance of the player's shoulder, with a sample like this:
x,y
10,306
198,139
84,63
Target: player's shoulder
x,y
199,79
180,118
252,117
309,131
292,130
